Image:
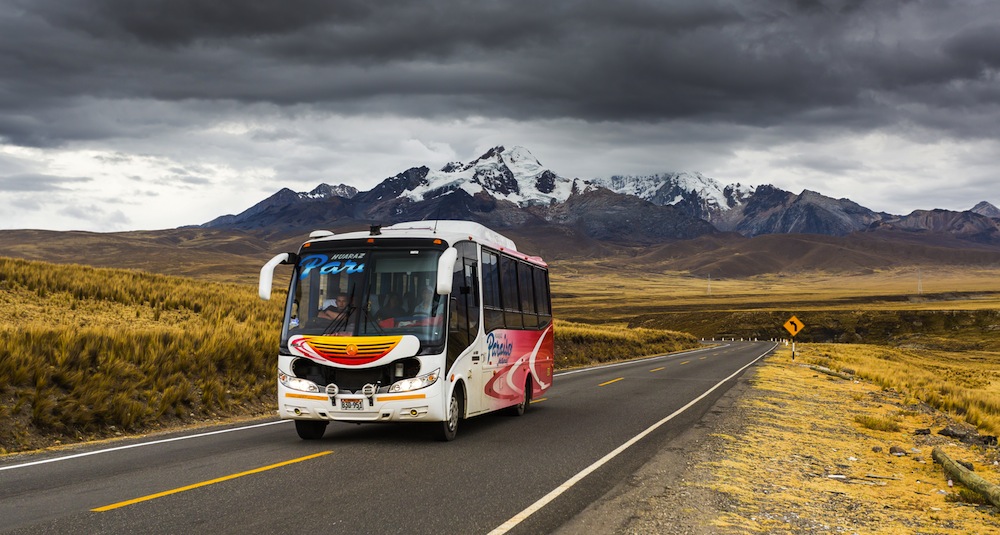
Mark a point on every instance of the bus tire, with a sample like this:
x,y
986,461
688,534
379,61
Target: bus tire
x,y
447,430
518,410
310,429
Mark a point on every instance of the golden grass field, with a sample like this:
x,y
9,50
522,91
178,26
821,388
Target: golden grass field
x,y
954,307
91,352
944,349
591,286
813,456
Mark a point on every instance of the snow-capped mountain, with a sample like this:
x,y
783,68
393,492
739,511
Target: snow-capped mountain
x,y
694,193
513,175
503,188
509,188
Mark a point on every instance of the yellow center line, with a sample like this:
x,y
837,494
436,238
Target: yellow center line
x,y
611,381
657,369
206,483
685,362
702,358
539,400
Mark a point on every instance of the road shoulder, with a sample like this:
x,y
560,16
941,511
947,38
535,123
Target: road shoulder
x,y
671,493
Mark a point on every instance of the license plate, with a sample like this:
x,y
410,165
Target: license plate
x,y
352,404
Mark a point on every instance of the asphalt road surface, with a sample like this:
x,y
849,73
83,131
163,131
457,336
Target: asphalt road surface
x,y
503,474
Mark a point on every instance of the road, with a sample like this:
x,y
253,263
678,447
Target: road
x,y
503,474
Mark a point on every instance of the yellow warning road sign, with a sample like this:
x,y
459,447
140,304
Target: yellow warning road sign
x,y
794,325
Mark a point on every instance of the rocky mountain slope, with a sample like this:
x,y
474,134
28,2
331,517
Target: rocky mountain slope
x,y
986,209
510,189
503,188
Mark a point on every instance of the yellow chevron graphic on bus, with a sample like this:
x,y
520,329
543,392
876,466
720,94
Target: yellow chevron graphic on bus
x,y
347,349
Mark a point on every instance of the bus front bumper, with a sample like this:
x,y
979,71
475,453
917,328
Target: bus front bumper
x,y
408,406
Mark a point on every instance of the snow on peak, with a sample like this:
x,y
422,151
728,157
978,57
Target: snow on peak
x,y
521,161
511,174
673,188
325,191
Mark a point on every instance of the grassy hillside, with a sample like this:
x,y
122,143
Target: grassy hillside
x,y
224,256
91,352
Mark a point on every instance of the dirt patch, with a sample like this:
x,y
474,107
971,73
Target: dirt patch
x,y
787,450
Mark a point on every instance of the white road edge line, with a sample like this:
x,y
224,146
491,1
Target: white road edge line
x,y
137,445
545,500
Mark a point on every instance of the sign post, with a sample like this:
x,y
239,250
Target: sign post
x,y
793,326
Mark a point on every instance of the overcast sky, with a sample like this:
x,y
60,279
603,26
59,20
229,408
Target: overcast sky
x,y
122,115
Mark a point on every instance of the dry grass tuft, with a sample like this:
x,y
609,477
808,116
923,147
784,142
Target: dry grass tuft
x,y
877,423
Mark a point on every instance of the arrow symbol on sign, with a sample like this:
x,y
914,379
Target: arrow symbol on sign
x,y
793,325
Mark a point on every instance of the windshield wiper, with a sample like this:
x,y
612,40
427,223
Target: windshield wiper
x,y
367,318
340,321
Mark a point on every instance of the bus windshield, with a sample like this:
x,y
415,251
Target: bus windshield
x,y
366,292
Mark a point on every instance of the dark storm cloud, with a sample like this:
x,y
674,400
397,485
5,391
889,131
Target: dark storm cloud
x,y
173,23
848,64
30,182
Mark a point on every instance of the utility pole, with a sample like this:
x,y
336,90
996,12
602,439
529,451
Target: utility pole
x,y
920,283
709,284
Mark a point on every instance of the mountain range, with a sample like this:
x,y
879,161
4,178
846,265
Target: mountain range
x,y
509,189
668,222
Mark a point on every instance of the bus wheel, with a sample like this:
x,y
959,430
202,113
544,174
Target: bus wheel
x,y
445,431
518,410
310,429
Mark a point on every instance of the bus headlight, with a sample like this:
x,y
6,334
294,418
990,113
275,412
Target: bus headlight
x,y
296,383
416,383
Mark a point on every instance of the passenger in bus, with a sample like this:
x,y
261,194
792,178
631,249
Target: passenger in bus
x,y
425,302
333,308
393,307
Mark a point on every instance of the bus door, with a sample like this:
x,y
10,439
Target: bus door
x,y
493,342
465,346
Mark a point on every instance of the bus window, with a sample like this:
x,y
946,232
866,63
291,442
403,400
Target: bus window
x,y
492,310
526,289
508,289
542,297
463,325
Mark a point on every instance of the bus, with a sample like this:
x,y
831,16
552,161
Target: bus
x,y
426,321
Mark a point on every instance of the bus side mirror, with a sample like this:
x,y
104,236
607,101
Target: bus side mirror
x,y
267,273
446,265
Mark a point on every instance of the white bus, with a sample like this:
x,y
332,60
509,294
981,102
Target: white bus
x,y
429,321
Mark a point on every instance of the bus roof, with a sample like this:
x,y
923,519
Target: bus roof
x,y
462,230
448,229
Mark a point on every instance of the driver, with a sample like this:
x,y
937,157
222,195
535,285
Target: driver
x,y
333,308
